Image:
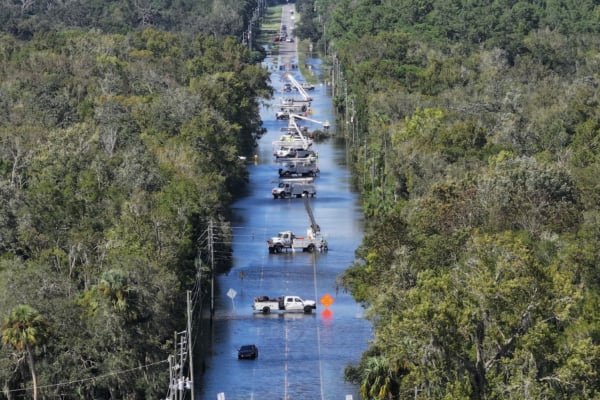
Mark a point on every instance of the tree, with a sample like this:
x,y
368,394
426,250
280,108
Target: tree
x,y
24,329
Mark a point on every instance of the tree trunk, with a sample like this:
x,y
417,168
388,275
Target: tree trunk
x,y
32,369
480,372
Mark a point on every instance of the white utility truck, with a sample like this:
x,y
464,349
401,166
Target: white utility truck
x,y
285,154
287,240
265,305
299,169
294,187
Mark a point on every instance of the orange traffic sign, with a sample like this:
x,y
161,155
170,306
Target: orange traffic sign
x,y
326,300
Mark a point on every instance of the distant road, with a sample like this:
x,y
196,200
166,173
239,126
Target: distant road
x,y
288,50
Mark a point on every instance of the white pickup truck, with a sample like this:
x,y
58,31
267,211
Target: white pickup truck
x,y
265,304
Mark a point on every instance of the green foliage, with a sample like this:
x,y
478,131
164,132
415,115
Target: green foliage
x,y
473,130
114,153
223,17
24,328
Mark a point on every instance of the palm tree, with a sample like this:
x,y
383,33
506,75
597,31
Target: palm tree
x,y
377,381
24,328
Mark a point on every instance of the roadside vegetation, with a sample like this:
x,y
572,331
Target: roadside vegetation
x,y
474,131
121,136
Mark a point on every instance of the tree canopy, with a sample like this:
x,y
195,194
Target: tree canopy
x,y
116,150
473,129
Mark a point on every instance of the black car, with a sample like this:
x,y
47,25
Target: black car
x,y
248,351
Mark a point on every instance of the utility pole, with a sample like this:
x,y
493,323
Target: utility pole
x,y
171,379
182,353
212,268
181,382
189,340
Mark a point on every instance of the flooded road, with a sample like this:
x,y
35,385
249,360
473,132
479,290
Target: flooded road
x,y
301,356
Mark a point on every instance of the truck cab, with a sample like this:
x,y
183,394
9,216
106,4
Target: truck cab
x,y
285,238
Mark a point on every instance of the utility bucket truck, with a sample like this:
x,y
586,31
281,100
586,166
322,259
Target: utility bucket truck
x,y
293,105
296,136
294,187
292,143
299,169
287,240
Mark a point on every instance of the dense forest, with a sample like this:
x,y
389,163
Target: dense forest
x,y
24,18
475,139
121,137
474,131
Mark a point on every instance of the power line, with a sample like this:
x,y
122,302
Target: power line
x,y
89,379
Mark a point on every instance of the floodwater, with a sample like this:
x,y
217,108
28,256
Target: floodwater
x,y
301,356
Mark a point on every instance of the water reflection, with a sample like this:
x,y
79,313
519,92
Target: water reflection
x,y
301,356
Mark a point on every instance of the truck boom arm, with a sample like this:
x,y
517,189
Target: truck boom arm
x,y
298,86
313,224
302,117
293,126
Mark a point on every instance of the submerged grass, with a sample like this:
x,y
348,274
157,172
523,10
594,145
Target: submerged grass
x,y
270,25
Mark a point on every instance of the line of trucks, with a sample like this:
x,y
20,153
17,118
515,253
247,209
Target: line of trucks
x,y
297,186
296,175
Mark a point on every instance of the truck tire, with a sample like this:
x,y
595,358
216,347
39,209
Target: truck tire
x,y
278,248
310,248
266,310
307,309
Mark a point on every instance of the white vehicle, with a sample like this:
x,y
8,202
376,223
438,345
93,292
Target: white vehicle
x,y
282,115
284,153
293,155
299,169
293,141
298,155
287,240
294,188
265,304
293,105
306,86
